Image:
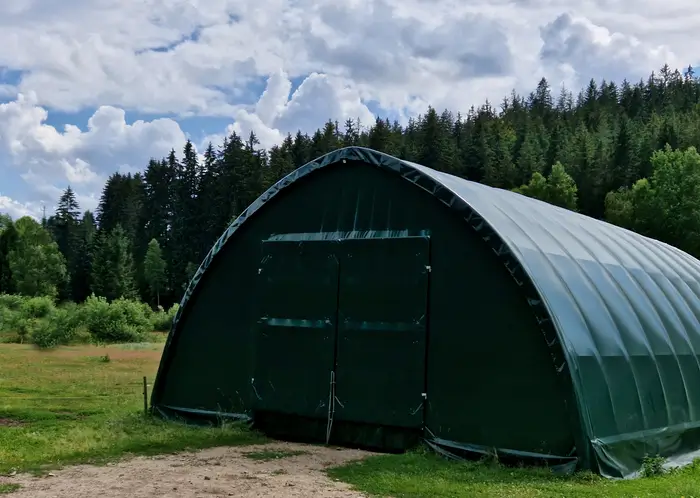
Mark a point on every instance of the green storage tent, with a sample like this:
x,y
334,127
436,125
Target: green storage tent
x,y
364,300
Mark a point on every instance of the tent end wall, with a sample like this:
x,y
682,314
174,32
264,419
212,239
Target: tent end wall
x,y
371,199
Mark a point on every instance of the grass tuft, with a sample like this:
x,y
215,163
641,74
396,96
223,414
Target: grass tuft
x,y
268,455
9,488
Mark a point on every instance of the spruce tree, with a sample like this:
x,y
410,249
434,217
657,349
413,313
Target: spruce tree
x,y
65,228
154,269
113,266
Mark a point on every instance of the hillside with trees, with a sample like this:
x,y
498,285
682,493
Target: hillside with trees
x,y
624,152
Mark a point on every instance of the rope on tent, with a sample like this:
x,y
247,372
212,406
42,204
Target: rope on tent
x,y
331,407
252,383
413,412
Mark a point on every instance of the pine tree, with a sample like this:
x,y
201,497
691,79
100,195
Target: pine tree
x,y
154,270
64,227
113,266
83,262
185,229
8,242
531,157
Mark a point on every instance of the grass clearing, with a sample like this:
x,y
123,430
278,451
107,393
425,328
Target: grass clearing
x,y
70,405
421,474
268,455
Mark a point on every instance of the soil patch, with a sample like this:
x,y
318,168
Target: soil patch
x,y
215,472
8,422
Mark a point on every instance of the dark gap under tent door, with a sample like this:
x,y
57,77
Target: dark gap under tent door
x,y
382,328
296,330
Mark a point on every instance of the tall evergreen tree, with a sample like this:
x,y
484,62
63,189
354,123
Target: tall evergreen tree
x,y
154,270
113,265
65,226
8,242
81,277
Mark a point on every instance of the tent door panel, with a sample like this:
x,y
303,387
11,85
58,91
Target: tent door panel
x,y
296,330
382,326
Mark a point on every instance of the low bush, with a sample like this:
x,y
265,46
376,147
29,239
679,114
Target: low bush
x,y
37,307
162,320
16,327
121,320
11,302
38,320
63,326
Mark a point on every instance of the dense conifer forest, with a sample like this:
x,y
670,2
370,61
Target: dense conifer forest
x,y
619,151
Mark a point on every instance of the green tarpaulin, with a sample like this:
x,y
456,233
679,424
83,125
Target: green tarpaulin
x,y
368,300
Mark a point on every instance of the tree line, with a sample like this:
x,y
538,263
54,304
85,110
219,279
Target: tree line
x,y
623,152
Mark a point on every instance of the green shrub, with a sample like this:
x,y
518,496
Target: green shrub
x,y
162,320
121,320
6,319
40,321
16,327
26,327
45,335
72,317
37,307
20,317
11,302
63,327
652,466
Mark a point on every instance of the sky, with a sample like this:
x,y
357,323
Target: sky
x,y
90,87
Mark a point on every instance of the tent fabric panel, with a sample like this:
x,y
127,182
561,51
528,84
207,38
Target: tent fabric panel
x,y
382,327
295,334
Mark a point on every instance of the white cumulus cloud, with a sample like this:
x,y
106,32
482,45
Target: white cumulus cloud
x,y
319,98
580,46
18,209
49,159
170,59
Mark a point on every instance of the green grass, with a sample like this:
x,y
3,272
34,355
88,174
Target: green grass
x,y
425,475
70,406
9,488
268,455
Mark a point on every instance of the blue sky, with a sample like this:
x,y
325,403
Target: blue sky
x,y
150,75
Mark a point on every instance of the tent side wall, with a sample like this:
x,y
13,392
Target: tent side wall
x,y
490,376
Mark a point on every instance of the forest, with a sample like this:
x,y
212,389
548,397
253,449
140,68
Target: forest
x,y
623,151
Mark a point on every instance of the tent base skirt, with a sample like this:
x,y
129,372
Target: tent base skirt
x,y
349,434
558,464
373,437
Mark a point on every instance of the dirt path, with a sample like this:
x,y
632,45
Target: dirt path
x,y
217,472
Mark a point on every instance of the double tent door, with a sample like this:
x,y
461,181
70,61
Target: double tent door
x,y
342,324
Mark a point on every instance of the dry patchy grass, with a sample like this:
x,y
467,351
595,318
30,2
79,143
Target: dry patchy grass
x,y
85,404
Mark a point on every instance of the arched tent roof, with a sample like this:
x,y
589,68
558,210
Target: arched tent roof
x,y
624,309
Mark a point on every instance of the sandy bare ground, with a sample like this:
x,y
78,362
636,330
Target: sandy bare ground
x,y
216,472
